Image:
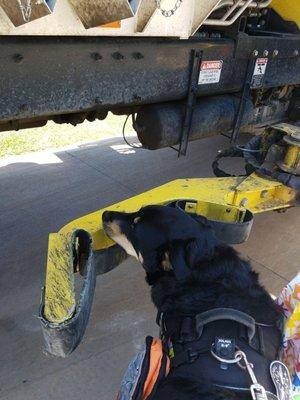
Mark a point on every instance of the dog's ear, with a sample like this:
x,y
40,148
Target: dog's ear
x,y
182,257
202,248
174,259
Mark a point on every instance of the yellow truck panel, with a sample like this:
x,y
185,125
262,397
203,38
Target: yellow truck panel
x,y
288,10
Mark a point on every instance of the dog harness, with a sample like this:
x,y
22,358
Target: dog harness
x,y
224,347
145,371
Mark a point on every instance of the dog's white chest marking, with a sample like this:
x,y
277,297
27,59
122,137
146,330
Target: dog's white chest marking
x,y
127,246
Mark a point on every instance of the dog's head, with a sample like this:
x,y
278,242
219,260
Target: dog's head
x,y
162,238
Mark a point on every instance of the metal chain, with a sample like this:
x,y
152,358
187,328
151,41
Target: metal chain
x,y
168,13
25,10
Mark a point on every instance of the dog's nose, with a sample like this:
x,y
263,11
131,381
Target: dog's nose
x,y
107,216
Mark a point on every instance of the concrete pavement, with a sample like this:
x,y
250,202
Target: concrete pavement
x,y
42,193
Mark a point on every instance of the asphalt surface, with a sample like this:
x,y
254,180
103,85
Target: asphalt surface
x,y
44,192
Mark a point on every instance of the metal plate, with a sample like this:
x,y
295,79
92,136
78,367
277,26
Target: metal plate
x,y
12,10
144,13
203,9
81,81
93,13
5,23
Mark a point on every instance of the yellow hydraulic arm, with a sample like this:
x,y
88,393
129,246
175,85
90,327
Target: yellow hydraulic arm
x,y
82,246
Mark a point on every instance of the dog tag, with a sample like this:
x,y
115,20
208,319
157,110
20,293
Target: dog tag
x,y
281,379
224,348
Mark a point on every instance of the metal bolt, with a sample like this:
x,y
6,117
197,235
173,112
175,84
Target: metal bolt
x,y
117,56
244,202
98,100
275,53
216,35
264,194
255,53
18,58
137,97
296,53
137,56
96,56
266,53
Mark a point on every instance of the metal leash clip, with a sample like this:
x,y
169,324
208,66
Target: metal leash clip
x,y
258,392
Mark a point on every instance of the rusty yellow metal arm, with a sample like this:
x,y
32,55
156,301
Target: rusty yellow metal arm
x,y
219,199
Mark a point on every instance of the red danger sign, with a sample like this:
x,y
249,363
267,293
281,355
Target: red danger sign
x,y
211,65
210,72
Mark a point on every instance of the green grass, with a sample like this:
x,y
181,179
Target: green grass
x,y
53,136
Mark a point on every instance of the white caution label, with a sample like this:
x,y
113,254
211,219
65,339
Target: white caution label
x,y
260,66
259,72
210,72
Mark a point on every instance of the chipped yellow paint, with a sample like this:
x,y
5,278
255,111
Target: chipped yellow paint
x,y
212,191
288,9
292,157
223,199
59,289
259,195
218,212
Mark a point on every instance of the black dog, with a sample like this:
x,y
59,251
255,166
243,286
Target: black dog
x,y
191,272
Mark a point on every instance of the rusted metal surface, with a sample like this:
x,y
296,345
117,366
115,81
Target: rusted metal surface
x,y
106,73
202,10
98,12
13,11
145,12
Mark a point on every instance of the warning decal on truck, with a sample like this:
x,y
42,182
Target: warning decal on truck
x,y
259,72
210,72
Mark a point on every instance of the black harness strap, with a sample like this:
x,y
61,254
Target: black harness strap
x,y
228,314
220,331
192,330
